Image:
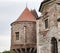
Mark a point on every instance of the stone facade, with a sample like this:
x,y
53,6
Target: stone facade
x,y
29,39
26,42
48,38
38,36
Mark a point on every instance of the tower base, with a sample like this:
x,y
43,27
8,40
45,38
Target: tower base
x,y
24,50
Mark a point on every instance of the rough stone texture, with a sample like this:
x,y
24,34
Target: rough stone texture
x,y
25,25
51,11
27,39
30,35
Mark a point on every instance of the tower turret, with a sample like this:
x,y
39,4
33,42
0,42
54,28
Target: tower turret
x,y
23,33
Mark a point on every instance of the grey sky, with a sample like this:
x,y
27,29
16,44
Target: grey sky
x,y
9,12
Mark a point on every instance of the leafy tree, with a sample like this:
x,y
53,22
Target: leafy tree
x,y
6,52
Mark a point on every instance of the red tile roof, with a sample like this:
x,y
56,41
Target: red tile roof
x,y
26,16
34,13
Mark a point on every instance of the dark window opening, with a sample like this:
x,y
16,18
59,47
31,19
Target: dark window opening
x,y
58,19
59,39
17,35
46,23
58,3
54,48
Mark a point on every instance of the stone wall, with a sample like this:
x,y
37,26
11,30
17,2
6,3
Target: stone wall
x,y
50,12
29,37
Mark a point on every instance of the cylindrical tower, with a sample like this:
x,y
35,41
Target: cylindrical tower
x,y
23,33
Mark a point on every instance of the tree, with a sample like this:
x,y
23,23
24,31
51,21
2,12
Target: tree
x,y
6,52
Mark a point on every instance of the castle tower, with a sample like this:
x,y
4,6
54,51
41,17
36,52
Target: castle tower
x,y
49,27
23,33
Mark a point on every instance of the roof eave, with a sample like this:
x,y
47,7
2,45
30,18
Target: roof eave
x,y
21,21
43,4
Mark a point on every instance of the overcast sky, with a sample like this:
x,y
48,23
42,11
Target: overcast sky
x,y
9,12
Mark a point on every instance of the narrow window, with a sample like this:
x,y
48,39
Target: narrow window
x,y
54,48
17,35
46,23
25,36
24,30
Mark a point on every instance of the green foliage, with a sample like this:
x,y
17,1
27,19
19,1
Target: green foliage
x,y
6,52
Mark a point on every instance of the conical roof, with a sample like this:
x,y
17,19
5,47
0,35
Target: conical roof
x,y
34,13
26,16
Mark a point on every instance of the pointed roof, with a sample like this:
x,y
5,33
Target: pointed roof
x,y
26,16
34,13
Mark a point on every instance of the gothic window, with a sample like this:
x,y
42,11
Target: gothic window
x,y
46,23
54,48
17,35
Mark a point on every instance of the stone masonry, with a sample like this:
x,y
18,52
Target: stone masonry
x,y
25,25
48,38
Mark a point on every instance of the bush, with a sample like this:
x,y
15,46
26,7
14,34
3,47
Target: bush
x,y
6,52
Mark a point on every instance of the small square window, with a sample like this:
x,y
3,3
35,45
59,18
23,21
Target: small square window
x,y
17,35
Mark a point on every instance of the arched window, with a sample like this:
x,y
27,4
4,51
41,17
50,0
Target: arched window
x,y
54,47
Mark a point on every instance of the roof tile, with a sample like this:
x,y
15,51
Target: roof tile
x,y
26,16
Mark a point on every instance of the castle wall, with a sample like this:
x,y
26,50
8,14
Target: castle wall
x,y
49,12
29,37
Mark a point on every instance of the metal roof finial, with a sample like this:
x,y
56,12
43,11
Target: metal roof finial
x,y
26,5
